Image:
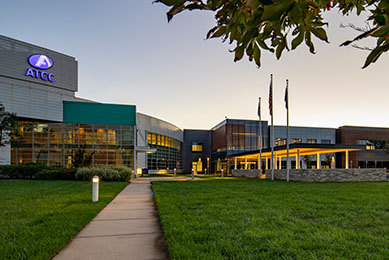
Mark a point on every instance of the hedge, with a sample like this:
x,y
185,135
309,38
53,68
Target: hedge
x,y
21,171
42,172
105,172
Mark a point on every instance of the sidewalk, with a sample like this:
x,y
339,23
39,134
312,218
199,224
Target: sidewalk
x,y
127,228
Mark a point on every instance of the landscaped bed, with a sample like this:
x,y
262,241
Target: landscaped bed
x,y
38,218
261,219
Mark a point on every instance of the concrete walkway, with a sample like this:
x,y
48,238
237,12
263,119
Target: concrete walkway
x,y
127,228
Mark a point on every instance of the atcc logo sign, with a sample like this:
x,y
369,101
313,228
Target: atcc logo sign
x,y
40,62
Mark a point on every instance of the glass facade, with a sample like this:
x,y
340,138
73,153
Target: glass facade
x,y
197,147
235,136
56,144
168,155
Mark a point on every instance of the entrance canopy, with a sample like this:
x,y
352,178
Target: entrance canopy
x,y
298,150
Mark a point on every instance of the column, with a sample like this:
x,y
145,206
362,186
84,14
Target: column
x,y
266,164
245,163
275,162
298,159
318,162
346,162
236,163
280,163
333,162
259,163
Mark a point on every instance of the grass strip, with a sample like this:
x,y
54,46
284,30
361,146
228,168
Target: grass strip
x,y
260,219
38,218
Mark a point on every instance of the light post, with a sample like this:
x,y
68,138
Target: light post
x,y
222,173
95,189
175,172
207,166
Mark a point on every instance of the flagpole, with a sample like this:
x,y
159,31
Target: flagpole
x,y
272,128
260,137
287,130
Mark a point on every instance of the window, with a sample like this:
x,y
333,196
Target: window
x,y
149,138
370,145
296,141
280,141
197,147
325,141
311,141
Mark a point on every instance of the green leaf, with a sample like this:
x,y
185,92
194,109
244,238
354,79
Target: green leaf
x,y
308,42
280,48
219,32
320,33
249,51
211,31
257,55
298,40
264,45
273,12
239,53
380,19
173,11
383,31
373,56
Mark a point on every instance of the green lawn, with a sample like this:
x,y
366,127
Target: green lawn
x,y
163,175
260,219
38,218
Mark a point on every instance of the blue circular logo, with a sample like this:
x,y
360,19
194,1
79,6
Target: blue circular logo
x,y
40,61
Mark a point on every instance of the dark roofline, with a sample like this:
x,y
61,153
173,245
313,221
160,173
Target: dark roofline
x,y
351,127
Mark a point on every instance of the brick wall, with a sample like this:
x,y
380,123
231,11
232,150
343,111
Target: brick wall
x,y
330,175
246,173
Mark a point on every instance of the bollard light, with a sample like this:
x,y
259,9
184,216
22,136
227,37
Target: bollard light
x,y
222,173
95,188
175,172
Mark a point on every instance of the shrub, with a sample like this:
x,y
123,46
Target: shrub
x,y
68,174
56,174
21,171
47,174
35,171
105,172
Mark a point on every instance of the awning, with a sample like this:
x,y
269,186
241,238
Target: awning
x,y
301,149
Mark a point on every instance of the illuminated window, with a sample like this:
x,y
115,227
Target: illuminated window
x,y
311,141
111,136
197,147
280,141
149,138
158,140
296,141
154,139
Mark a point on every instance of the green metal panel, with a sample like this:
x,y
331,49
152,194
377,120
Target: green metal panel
x,y
98,113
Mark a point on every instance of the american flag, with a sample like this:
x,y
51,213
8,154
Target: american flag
x,y
271,96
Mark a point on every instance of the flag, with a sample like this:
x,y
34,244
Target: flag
x,y
286,97
259,108
271,96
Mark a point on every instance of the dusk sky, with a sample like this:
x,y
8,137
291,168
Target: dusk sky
x,y
128,53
